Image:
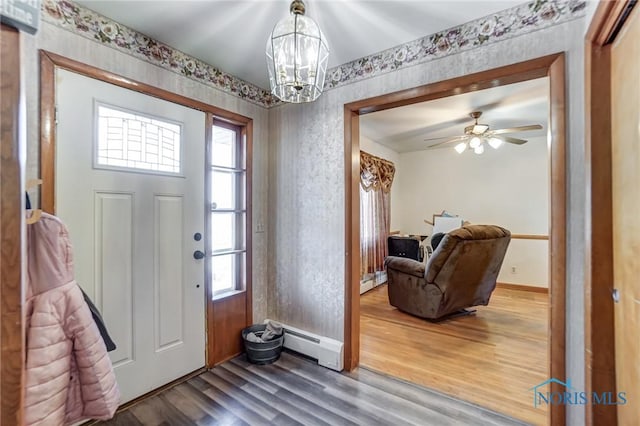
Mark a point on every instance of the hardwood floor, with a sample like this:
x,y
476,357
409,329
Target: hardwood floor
x,y
491,358
296,391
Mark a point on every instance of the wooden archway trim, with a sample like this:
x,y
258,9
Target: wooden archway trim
x,y
11,211
230,306
552,66
600,371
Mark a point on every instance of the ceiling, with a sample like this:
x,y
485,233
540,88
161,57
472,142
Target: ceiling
x,y
404,129
231,35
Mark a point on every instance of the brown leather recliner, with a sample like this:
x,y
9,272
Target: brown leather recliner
x,y
461,273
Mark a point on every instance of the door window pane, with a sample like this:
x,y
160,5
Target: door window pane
x,y
223,273
242,202
241,271
224,147
132,140
222,231
223,190
241,226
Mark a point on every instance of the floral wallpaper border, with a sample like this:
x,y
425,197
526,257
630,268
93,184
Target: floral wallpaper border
x,y
87,23
518,20
509,23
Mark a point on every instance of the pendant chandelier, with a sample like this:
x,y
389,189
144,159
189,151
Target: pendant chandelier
x,y
297,56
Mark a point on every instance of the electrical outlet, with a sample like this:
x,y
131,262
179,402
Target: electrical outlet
x,y
260,227
514,270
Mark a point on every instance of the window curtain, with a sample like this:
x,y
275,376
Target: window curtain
x,y
376,177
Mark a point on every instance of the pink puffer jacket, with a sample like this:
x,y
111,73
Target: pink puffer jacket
x,y
69,376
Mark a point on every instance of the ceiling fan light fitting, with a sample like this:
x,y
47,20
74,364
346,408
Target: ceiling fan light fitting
x,y
461,147
476,136
479,129
495,143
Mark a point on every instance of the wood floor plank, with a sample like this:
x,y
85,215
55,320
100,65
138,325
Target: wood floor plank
x,y
239,366
411,409
491,358
326,414
460,410
249,377
241,409
239,395
212,408
274,401
199,383
126,418
368,398
357,399
182,402
156,411
315,393
295,391
145,414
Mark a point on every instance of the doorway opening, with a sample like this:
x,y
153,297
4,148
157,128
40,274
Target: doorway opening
x,y
440,183
552,67
149,185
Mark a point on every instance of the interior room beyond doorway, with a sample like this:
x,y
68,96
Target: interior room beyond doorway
x,y
551,350
519,301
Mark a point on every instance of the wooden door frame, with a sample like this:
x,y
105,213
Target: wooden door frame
x,y
12,338
49,61
226,303
600,372
552,66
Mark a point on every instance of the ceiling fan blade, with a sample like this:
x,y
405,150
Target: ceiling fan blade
x,y
456,139
512,140
440,137
516,129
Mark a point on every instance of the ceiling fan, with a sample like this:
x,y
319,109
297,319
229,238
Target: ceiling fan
x,y
477,135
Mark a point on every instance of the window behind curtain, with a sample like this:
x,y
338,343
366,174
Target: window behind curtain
x,y
375,213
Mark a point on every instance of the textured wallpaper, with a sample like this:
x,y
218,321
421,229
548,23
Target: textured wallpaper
x,y
57,40
306,185
298,178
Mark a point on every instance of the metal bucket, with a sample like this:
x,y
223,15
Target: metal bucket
x,y
265,352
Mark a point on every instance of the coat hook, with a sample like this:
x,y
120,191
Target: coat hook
x,y
35,216
32,183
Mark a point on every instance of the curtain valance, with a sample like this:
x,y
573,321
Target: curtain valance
x,y
375,172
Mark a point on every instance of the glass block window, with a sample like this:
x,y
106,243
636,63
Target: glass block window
x,y
131,140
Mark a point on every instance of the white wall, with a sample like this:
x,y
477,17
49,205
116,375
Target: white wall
x,y
374,148
508,187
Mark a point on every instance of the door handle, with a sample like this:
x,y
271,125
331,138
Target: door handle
x,y
198,255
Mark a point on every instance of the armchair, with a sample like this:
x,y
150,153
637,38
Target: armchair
x,y
461,273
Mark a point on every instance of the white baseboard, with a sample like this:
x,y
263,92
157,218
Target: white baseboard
x,y
328,352
366,286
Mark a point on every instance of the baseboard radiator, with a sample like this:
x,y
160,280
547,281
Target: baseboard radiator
x,y
327,351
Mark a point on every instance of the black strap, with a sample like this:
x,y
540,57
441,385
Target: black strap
x,y
111,346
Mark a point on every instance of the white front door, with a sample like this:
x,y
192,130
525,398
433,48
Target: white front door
x,y
130,188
